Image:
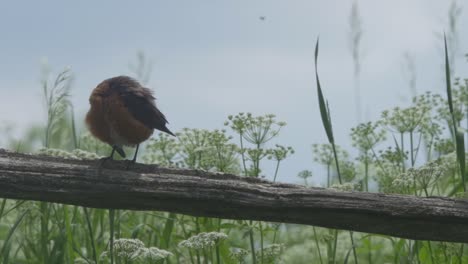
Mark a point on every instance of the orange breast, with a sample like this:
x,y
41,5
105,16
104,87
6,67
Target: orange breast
x,y
97,120
110,121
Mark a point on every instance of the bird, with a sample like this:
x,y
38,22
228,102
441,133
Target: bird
x,y
124,113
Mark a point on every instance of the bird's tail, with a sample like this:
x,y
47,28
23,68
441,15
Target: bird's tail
x,y
165,129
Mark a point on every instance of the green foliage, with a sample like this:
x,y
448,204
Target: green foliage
x,y
412,150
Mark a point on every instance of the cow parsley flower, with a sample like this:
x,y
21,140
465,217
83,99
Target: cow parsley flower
x,y
203,240
128,248
238,254
153,254
346,187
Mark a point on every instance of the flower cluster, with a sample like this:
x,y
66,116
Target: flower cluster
x,y
402,183
366,136
255,129
128,248
280,153
57,153
84,155
203,240
91,144
238,254
305,174
162,150
152,254
421,178
134,249
406,119
271,253
347,187
75,154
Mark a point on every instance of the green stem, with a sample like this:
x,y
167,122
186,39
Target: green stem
x,y
111,243
317,244
242,154
418,146
205,256
261,242
366,172
69,234
354,247
416,246
444,246
461,252
198,257
402,142
369,253
182,225
275,234
276,170
252,245
91,236
336,162
44,231
335,242
218,259
412,162
412,149
2,208
430,251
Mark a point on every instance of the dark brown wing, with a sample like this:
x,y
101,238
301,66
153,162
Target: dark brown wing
x,y
140,103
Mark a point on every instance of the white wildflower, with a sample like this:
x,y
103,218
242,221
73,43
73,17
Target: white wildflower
x,y
238,254
403,181
346,187
57,153
128,248
270,253
153,254
203,240
82,154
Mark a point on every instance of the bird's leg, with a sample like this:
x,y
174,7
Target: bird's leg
x,y
119,150
136,152
111,157
130,162
112,153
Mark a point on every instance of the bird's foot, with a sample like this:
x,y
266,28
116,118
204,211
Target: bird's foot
x,y
129,163
102,161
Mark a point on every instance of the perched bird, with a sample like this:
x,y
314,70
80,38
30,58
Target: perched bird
x,y
123,113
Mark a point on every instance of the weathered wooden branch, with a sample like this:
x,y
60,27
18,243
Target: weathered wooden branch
x,y
200,193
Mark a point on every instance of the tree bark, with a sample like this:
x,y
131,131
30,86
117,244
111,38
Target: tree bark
x,y
201,193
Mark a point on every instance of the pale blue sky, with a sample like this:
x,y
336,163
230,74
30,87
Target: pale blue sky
x,y
215,58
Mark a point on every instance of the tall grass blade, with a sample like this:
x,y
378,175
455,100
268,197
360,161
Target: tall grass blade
x,y
323,105
168,227
6,243
2,207
459,139
91,236
111,242
69,234
325,113
326,120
